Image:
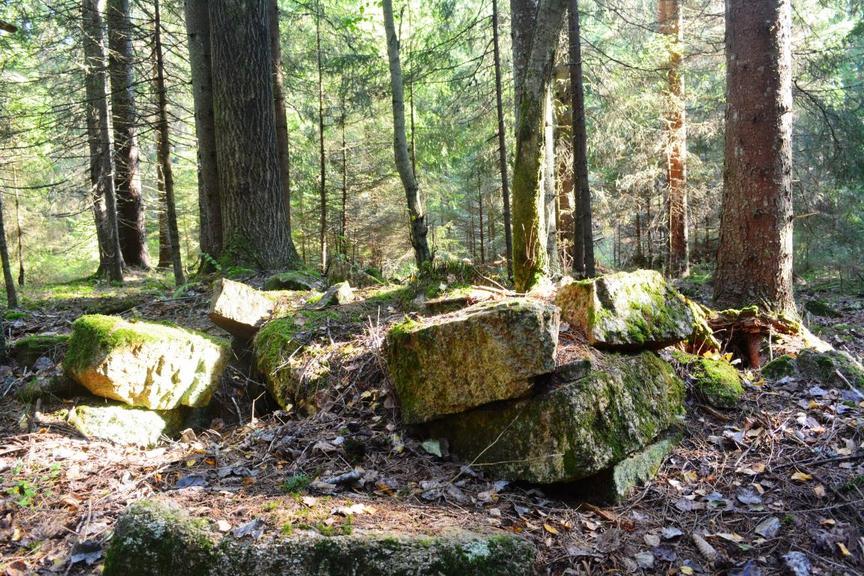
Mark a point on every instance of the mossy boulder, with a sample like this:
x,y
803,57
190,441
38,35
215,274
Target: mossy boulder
x,y
294,363
29,349
715,381
627,311
154,539
336,295
292,280
125,424
821,308
819,366
485,353
145,364
612,406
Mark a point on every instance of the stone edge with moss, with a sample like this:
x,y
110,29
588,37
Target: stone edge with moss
x,y
154,539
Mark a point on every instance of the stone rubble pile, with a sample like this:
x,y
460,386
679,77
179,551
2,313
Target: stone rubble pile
x,y
488,380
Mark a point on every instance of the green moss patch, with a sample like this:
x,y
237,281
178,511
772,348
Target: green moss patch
x,y
28,349
715,381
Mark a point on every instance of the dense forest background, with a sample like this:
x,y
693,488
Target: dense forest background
x,y
336,83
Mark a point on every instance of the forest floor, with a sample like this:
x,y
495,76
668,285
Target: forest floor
x,y
784,472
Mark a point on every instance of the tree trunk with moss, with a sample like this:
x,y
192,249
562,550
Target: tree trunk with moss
x,y
672,27
99,143
279,106
130,202
416,208
254,217
536,26
754,261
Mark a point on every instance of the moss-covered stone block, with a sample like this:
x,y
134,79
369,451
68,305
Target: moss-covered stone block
x,y
715,381
627,311
821,308
292,280
293,362
834,368
157,540
145,364
618,482
485,353
153,539
619,405
124,424
29,349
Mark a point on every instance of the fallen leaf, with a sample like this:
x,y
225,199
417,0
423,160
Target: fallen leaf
x,y
801,477
550,529
843,549
768,528
797,563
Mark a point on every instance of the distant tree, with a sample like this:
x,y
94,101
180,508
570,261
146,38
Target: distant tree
x,y
583,234
502,142
754,261
536,25
11,294
200,65
163,151
130,202
99,140
254,217
416,209
671,22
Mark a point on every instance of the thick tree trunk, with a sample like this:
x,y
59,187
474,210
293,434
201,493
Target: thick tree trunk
x,y
754,262
583,232
130,202
200,64
11,294
671,22
400,145
282,139
502,142
254,224
99,141
322,158
536,27
163,151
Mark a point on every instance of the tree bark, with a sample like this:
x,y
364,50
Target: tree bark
x,y
282,139
99,143
322,159
164,234
163,151
671,22
400,145
583,232
536,27
343,228
11,294
131,231
20,236
254,224
754,261
200,64
502,142
480,208
550,185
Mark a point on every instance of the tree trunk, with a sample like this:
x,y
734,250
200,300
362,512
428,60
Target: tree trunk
x,y
550,186
254,225
502,142
20,235
99,143
130,202
163,151
482,232
671,26
209,194
343,228
322,159
282,139
164,235
536,27
754,262
583,234
400,145
11,294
